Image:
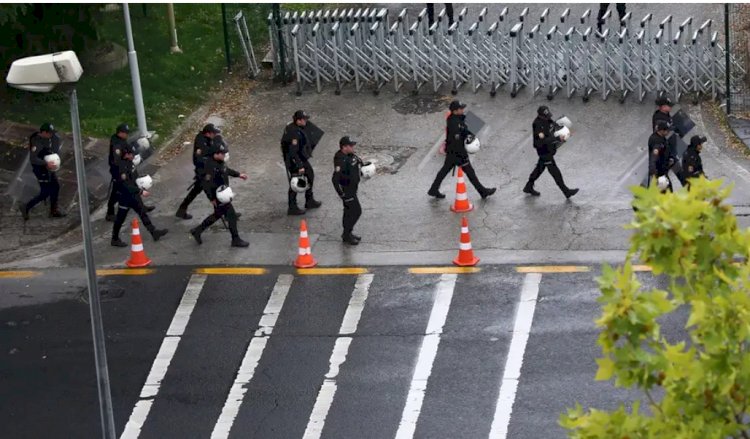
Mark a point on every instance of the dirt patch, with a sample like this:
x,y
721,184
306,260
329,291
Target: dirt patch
x,y
422,104
388,159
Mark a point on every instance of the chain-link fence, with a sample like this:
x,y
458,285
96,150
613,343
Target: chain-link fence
x,y
739,48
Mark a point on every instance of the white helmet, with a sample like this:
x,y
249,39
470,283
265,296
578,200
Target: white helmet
x,y
368,170
299,184
53,162
226,157
662,182
564,121
563,132
144,182
143,144
137,159
472,145
224,194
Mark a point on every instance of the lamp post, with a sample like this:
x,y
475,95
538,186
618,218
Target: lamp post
x,y
135,76
42,74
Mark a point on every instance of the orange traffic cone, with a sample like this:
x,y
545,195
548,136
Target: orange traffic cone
x,y
304,257
462,203
138,257
465,256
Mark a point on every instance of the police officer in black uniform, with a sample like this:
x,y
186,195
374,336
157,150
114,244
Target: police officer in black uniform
x,y
546,145
346,176
116,142
456,134
692,164
662,113
296,151
42,143
202,147
660,158
215,175
129,197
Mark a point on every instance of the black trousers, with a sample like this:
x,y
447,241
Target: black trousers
x,y
603,10
310,174
112,201
49,188
431,12
125,203
452,161
352,212
221,211
195,190
550,165
677,167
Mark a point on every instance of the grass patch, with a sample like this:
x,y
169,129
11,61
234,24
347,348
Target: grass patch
x,y
173,84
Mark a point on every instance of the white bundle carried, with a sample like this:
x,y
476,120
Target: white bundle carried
x,y
662,183
53,162
565,122
563,133
144,182
472,145
368,170
224,194
137,159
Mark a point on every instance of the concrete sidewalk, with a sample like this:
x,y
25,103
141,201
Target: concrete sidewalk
x,y
401,133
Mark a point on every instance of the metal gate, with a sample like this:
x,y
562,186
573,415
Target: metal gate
x,y
370,49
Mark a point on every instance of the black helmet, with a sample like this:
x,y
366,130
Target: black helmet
x,y
123,128
543,111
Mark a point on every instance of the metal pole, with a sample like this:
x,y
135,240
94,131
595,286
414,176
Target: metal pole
x,y
175,48
140,112
227,54
97,328
727,65
282,57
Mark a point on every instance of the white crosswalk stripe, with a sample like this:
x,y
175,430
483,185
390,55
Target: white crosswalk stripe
x,y
341,348
252,357
164,357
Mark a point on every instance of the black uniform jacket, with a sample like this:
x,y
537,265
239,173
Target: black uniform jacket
x,y
202,146
456,134
125,183
692,164
295,148
116,146
658,156
346,174
545,141
215,174
38,148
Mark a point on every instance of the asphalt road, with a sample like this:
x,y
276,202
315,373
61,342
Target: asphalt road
x,y
407,355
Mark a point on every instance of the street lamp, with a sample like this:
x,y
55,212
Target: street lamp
x,y
42,74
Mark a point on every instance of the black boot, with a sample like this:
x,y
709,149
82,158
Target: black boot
x,y
487,192
529,189
57,213
156,233
349,239
312,203
294,210
358,238
150,208
238,242
196,232
24,211
436,194
182,213
110,217
570,192
116,242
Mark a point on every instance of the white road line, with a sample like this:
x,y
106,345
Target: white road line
x,y
427,353
164,357
431,153
252,357
340,350
512,374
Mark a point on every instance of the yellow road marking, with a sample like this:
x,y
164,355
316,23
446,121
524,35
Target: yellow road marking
x,y
230,270
124,271
443,270
553,269
641,268
343,270
18,274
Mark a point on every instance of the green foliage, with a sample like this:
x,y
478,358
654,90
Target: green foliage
x,y
173,84
693,239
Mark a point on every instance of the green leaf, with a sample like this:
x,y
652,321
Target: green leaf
x,y
606,369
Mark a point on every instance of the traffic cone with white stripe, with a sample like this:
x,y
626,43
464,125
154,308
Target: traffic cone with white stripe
x,y
462,203
138,256
465,256
304,256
